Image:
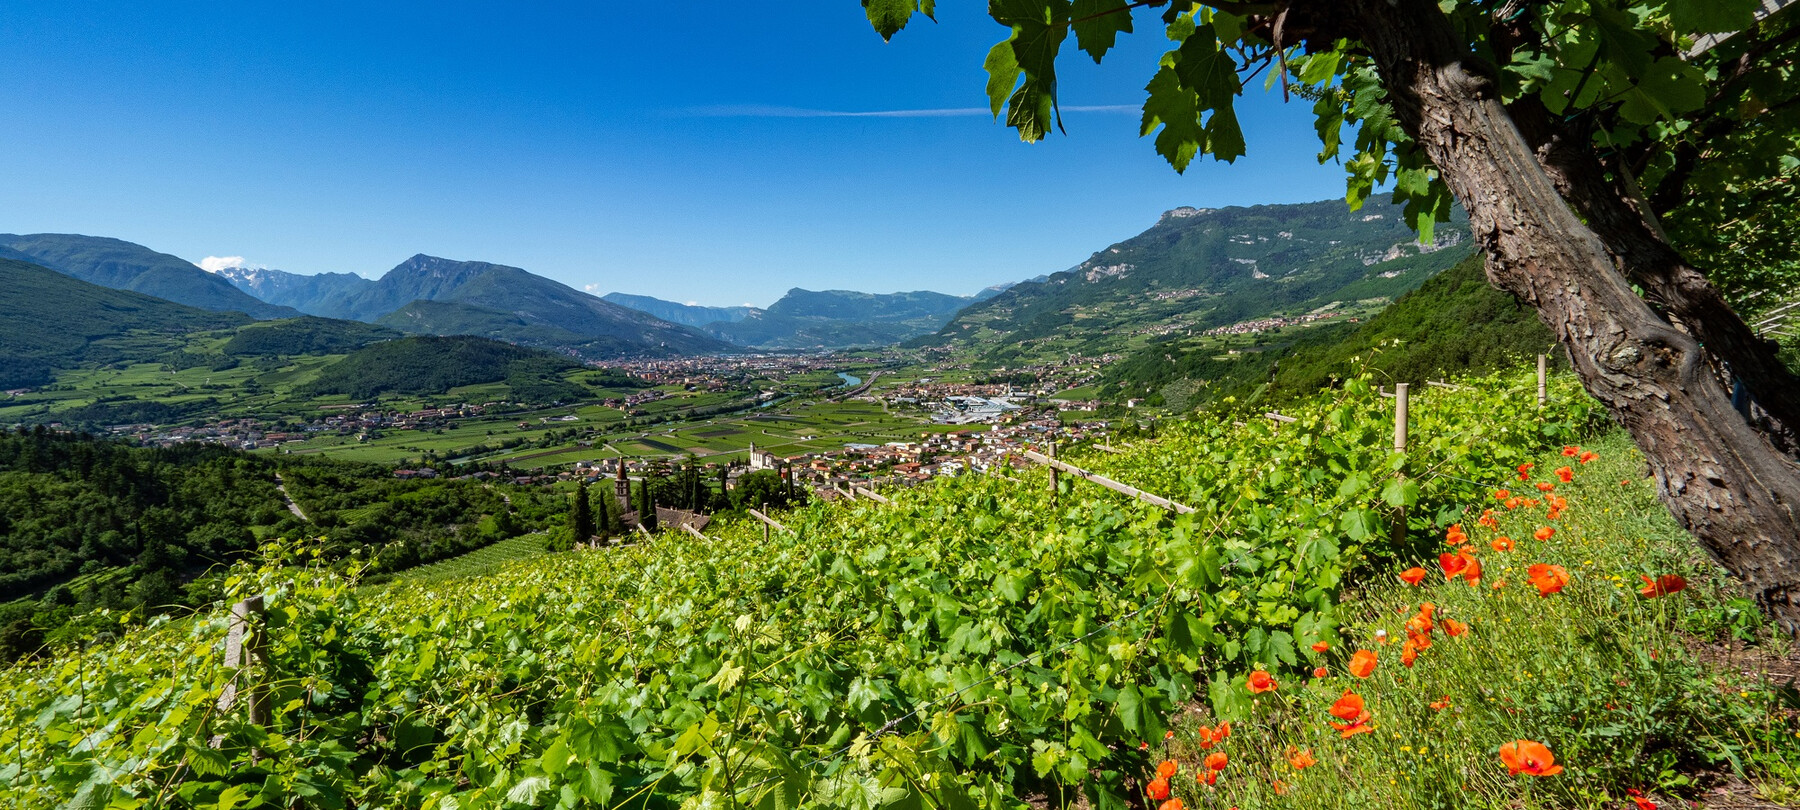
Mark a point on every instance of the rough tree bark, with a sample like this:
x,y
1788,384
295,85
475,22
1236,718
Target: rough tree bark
x,y
1722,480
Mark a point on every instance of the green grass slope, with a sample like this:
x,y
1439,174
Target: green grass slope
x,y
308,335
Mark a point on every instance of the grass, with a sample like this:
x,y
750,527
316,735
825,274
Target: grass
x,y
480,562
1623,689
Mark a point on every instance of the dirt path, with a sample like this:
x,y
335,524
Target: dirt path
x,y
281,487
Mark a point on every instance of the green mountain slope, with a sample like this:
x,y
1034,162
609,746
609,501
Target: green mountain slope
x,y
832,319
508,303
1198,269
123,265
434,365
1453,324
50,321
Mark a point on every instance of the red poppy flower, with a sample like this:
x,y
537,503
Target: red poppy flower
x,y
1548,578
1166,768
1529,758
1172,804
1545,486
1158,789
1570,451
1260,682
1639,799
1587,456
1502,543
1661,586
1362,663
1409,652
1565,474
1454,628
1502,494
1455,535
1525,471
1222,733
1320,672
1544,533
1413,575
1453,564
1513,502
1301,760
1488,519
1350,708
1216,761
1440,705
1320,646
1421,624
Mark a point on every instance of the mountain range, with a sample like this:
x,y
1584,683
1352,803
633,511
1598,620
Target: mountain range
x,y
123,265
817,319
1201,268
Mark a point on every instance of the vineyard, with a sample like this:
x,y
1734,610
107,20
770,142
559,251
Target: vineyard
x,y
977,642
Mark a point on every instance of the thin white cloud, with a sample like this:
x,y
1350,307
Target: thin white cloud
x,y
591,287
775,111
213,264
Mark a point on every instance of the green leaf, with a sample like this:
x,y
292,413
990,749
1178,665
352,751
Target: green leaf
x,y
1400,492
1224,135
207,761
1003,74
1712,16
1098,23
889,16
527,790
1173,107
1667,88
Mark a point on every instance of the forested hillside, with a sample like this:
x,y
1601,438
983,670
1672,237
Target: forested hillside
x,y
123,265
1454,324
87,524
50,321
1197,269
418,365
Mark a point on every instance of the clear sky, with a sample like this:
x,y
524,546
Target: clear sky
x,y
666,149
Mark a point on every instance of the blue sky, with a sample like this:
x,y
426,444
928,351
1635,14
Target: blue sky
x,y
656,148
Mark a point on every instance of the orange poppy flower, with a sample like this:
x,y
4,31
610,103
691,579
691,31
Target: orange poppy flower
x,y
1472,574
1409,652
1320,672
1544,533
1350,708
1172,804
1158,789
1279,786
1221,733
1642,803
1559,503
1502,543
1531,502
1502,494
1440,705
1525,471
1260,682
1566,474
1661,586
1514,502
1454,628
1166,768
1587,456
1301,760
1570,451
1362,663
1545,486
1455,535
1529,758
1413,575
1487,519
1499,583
1216,761
1209,777
1548,578
1453,564
1320,646
1421,624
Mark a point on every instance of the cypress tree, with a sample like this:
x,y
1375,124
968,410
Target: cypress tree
x,y
581,519
647,506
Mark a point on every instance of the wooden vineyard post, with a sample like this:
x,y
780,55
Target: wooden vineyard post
x,y
1400,403
1543,390
244,648
765,522
871,495
1050,450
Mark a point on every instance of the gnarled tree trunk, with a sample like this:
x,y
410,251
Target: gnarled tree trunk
x,y
1724,481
